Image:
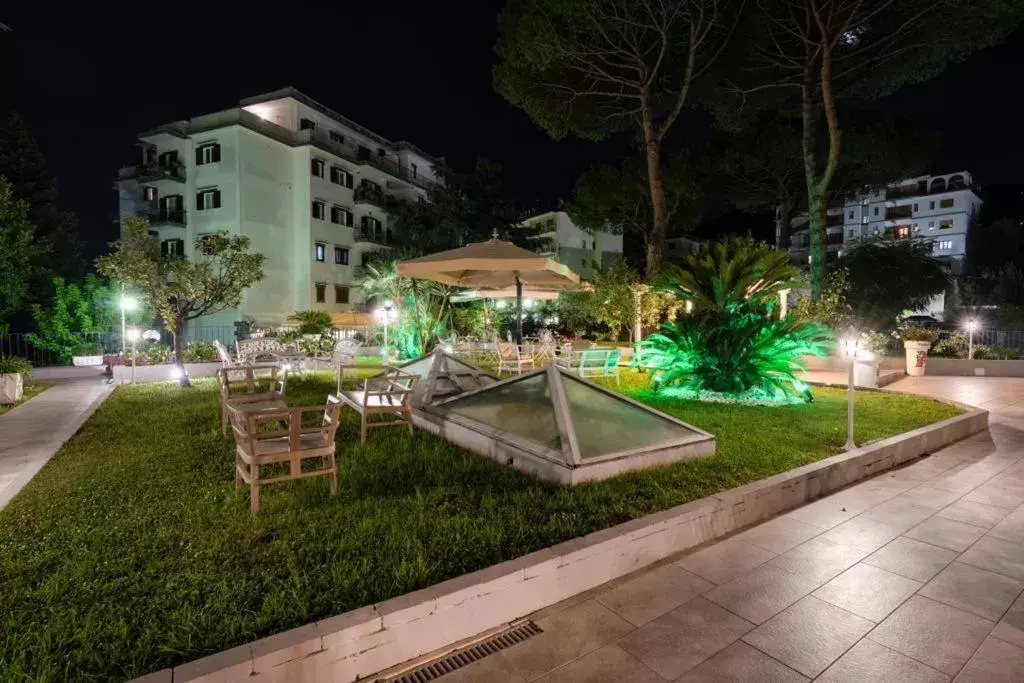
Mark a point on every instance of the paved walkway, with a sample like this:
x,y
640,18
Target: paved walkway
x,y
31,433
915,575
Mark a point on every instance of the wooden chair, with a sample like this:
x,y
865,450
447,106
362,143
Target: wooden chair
x,y
387,394
250,388
269,437
224,355
512,359
599,363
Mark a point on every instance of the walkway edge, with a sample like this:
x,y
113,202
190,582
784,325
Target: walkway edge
x,y
371,639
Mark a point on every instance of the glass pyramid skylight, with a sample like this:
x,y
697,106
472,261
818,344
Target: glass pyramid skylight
x,y
443,376
568,428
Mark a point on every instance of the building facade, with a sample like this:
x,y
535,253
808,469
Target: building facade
x,y
558,237
939,209
306,185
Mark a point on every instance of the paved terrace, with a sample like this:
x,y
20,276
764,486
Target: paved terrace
x,y
915,575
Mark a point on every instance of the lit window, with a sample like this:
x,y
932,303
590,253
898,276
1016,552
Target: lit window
x,y
316,167
915,228
319,209
341,257
340,216
946,203
946,224
903,231
321,292
149,194
944,245
207,153
320,252
340,294
208,199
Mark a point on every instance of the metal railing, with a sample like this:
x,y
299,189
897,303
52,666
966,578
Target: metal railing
x,y
19,344
170,216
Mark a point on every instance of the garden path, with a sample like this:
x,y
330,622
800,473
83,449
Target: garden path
x,y
914,575
31,433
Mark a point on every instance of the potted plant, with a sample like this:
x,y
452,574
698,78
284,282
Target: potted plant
x,y
916,342
87,354
13,372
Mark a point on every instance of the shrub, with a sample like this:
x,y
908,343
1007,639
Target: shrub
x,y
87,350
158,354
952,345
10,365
996,352
917,334
312,322
199,352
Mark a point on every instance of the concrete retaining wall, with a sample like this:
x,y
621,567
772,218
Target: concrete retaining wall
x,y
365,641
974,368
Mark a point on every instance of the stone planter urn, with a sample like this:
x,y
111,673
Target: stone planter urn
x,y
12,386
865,371
917,356
82,361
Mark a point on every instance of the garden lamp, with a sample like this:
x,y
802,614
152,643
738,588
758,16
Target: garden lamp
x,y
126,303
850,345
133,336
971,326
386,315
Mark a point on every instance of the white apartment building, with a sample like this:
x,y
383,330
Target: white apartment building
x,y
558,237
939,209
304,183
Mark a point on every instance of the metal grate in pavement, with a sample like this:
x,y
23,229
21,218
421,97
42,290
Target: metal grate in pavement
x,y
456,660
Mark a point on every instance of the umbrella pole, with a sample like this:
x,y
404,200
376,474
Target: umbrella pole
x,y
519,311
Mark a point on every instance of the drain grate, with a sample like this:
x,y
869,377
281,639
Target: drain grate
x,y
461,658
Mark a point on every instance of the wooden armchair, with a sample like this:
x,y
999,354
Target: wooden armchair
x,y
387,394
223,354
250,388
513,358
269,437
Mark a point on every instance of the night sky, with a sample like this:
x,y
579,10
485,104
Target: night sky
x,y
90,76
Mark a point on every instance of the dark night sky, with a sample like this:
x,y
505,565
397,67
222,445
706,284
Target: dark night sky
x,y
88,78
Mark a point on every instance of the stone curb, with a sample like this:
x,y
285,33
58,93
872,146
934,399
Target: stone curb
x,y
360,643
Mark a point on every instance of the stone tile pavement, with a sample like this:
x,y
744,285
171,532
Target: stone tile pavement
x,y
914,575
31,433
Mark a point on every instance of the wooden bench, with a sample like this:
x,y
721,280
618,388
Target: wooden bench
x,y
269,437
250,388
387,394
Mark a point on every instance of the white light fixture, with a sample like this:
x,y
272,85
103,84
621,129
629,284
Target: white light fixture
x,y
850,344
133,336
176,372
151,335
971,326
386,315
126,303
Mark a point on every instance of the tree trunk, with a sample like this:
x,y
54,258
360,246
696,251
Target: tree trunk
x,y
656,241
816,207
783,216
179,330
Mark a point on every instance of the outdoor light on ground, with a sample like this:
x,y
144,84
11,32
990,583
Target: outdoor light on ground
x,y
850,345
126,303
386,315
971,325
133,336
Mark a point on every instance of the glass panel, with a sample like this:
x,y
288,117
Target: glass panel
x,y
604,424
521,408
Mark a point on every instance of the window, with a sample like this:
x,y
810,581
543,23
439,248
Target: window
x,y
851,233
931,206
149,194
876,210
174,248
340,216
319,209
208,199
851,215
307,124
321,292
336,137
340,294
415,170
363,152
168,159
944,245
341,257
946,203
316,167
915,208
205,244
903,231
931,224
207,153
915,228
320,252
946,224
340,176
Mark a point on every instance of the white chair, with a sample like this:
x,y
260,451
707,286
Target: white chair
x,y
512,359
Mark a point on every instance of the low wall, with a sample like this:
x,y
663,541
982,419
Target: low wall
x,y
368,640
837,363
974,368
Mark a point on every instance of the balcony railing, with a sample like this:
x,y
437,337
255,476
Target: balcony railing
x,y
896,212
369,194
834,238
165,217
378,236
152,172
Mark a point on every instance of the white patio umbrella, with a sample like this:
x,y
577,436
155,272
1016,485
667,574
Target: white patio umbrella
x,y
493,265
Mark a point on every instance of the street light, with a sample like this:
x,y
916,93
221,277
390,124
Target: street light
x,y
127,303
386,315
971,326
133,336
850,345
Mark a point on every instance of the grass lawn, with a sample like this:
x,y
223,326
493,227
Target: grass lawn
x,y
32,389
130,551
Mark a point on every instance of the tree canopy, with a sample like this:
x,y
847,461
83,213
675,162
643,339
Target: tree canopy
x,y
17,251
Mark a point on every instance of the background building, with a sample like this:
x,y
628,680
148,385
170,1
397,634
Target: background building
x,y
940,209
558,237
305,184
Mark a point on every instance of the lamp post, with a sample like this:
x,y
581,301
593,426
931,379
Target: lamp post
x,y
127,303
850,349
386,315
971,326
133,336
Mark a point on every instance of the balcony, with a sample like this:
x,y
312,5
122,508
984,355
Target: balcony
x,y
149,173
370,194
834,238
165,218
894,213
373,236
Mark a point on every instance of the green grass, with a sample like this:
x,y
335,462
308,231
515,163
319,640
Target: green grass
x,y
32,389
130,551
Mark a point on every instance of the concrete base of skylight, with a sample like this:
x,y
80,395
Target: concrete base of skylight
x,y
498,446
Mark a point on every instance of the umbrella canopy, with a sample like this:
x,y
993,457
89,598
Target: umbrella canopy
x,y
494,265
352,319
506,293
